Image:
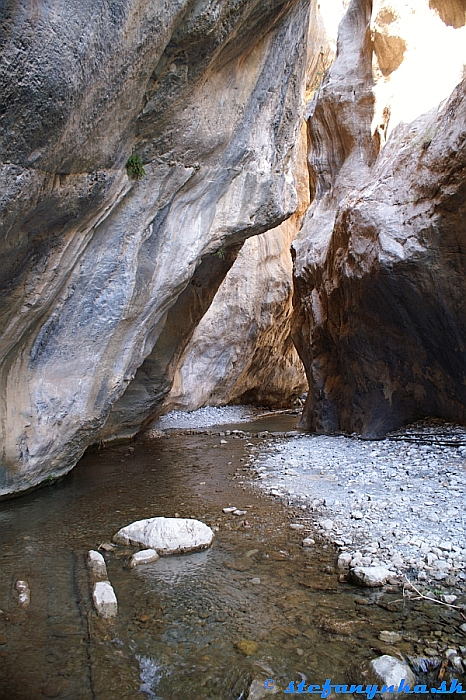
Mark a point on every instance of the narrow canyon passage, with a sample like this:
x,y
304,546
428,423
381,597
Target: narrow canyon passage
x,y
212,625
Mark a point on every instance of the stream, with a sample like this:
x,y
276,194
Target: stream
x,y
203,626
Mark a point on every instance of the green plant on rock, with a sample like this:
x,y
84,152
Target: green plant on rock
x,y
221,254
134,168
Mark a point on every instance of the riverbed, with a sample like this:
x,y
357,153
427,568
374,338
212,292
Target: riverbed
x,y
211,625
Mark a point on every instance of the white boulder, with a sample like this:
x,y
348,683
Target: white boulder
x,y
390,671
167,535
104,598
97,566
145,556
370,575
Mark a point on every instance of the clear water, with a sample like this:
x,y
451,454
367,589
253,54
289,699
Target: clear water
x,y
183,620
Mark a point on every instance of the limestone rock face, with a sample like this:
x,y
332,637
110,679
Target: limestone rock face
x,y
104,278
241,351
380,275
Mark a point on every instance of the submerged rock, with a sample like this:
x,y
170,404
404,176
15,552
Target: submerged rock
x,y
167,535
145,556
24,593
105,601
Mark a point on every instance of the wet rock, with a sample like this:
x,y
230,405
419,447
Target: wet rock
x,y
247,647
308,541
257,691
104,598
370,576
145,556
391,671
326,524
107,547
390,637
24,593
167,535
97,566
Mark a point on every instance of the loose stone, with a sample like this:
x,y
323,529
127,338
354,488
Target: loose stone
x,y
167,535
24,593
104,598
308,542
97,566
145,556
391,671
370,576
390,637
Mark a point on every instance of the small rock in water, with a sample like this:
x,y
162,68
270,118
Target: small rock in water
x,y
239,512
390,637
104,598
229,509
97,566
247,647
308,542
391,671
370,575
24,593
256,581
257,691
167,535
297,526
145,556
107,547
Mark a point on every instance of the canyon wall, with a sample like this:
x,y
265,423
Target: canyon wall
x,y
380,262
241,351
104,278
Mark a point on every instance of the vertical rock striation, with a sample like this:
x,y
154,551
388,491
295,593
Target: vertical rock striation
x,y
208,95
380,262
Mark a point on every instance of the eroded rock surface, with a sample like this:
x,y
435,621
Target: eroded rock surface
x,y
241,351
103,276
380,320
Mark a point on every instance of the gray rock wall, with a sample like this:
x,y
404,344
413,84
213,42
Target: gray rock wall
x,y
209,95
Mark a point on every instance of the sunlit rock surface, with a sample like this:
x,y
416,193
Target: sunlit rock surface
x,y
380,320
103,276
241,351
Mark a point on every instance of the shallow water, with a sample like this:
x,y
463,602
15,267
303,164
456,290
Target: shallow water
x,y
182,620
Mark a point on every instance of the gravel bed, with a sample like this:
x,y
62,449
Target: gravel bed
x,y
396,503
205,417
